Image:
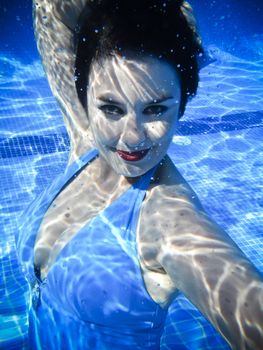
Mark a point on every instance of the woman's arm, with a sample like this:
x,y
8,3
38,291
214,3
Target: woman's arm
x,y
209,268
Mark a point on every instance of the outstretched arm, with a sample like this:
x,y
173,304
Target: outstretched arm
x,y
209,268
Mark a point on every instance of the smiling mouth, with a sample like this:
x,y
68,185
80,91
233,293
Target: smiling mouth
x,y
133,156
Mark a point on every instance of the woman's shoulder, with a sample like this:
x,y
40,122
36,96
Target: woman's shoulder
x,y
170,203
170,208
178,217
171,190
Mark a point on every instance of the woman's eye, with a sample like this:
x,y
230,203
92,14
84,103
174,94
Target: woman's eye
x,y
155,110
111,110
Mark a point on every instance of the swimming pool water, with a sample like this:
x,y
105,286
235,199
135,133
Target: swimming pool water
x,y
217,148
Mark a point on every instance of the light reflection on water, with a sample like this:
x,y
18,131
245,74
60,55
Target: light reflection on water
x,y
217,149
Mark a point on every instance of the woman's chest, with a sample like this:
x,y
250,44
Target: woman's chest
x,y
87,225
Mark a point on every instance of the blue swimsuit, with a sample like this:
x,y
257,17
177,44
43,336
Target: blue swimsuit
x,y
94,295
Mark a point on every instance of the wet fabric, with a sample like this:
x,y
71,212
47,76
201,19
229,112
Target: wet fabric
x,y
94,296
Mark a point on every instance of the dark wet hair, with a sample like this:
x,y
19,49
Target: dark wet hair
x,y
163,29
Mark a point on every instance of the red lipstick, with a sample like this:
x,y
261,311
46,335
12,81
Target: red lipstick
x,y
133,156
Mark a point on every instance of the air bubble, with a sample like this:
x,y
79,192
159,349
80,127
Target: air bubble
x,y
77,29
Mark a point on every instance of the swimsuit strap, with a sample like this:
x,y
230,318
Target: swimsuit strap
x,y
128,206
31,219
63,181
71,172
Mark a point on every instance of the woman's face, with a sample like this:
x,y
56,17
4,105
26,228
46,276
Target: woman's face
x,y
133,107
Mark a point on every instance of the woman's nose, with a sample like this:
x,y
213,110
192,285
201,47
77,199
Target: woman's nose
x,y
133,133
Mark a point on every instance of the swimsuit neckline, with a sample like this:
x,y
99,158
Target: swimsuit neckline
x,y
71,172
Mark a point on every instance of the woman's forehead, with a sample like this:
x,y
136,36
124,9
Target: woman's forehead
x,y
146,76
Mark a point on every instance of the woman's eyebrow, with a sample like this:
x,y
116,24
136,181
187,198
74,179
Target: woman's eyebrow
x,y
108,99
160,100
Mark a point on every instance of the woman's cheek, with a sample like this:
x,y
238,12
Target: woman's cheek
x,y
158,130
106,131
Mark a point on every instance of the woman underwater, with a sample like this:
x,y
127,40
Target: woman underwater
x,y
109,244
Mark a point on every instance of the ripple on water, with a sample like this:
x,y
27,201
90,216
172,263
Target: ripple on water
x,y
224,169
237,145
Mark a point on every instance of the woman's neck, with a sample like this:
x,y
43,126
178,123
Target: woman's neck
x,y
105,174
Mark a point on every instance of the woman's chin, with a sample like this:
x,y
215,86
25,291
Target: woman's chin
x,y
133,170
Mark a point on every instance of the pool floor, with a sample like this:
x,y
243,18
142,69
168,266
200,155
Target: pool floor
x,y
217,147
